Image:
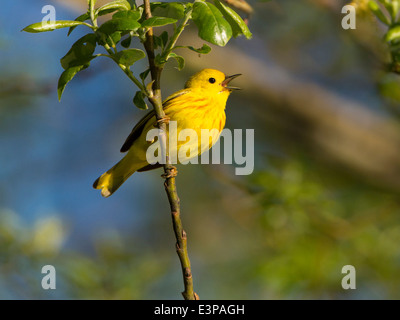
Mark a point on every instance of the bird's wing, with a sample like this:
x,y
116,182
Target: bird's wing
x,y
138,129
173,96
150,167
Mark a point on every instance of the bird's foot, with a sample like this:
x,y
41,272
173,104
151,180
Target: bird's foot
x,y
164,119
170,173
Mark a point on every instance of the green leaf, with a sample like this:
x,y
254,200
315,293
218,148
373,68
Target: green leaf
x,y
161,40
126,42
119,24
112,6
66,77
81,18
81,52
374,7
128,57
175,10
237,24
164,38
203,50
157,42
179,59
144,74
50,26
111,39
114,38
211,24
138,100
131,15
393,34
394,9
157,22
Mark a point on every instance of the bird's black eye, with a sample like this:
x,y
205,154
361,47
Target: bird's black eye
x,y
211,80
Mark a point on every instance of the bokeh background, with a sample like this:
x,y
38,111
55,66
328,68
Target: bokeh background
x,y
324,192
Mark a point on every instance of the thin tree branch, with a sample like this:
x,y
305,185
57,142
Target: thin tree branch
x,y
170,46
170,185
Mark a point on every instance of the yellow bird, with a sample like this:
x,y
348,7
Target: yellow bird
x,y
200,105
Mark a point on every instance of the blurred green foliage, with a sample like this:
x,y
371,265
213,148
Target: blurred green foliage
x,y
319,226
304,229
113,271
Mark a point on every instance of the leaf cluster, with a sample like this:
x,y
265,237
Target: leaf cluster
x,y
216,23
388,13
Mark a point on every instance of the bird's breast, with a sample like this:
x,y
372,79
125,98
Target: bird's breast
x,y
197,112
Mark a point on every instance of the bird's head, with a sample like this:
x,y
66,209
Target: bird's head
x,y
213,81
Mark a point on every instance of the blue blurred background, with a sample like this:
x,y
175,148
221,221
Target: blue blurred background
x,y
324,192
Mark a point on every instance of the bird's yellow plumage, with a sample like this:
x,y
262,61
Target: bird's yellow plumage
x,y
200,105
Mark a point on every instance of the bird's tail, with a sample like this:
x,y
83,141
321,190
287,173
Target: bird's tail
x,y
111,180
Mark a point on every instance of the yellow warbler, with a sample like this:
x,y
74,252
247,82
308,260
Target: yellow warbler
x,y
200,105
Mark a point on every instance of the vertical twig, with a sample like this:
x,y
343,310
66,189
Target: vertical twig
x,y
170,185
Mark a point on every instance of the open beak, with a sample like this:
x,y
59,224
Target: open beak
x,y
229,79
